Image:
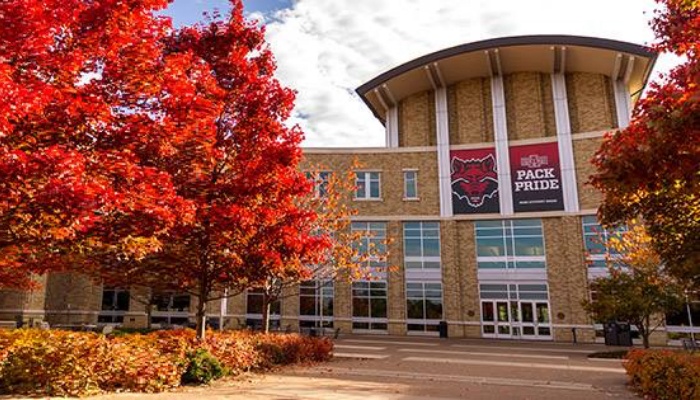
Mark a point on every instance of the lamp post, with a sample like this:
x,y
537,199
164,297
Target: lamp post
x,y
690,316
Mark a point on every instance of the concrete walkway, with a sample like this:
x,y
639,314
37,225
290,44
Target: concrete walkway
x,y
383,367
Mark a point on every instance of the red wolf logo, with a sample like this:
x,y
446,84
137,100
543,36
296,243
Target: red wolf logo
x,y
474,180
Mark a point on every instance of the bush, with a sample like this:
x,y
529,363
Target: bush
x,y
664,374
59,363
202,368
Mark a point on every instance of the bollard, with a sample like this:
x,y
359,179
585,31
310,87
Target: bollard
x,y
573,332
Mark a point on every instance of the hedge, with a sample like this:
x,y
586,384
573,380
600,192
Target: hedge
x,y
61,363
664,374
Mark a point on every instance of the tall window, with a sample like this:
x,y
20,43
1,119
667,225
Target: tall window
x,y
170,308
423,306
367,185
254,310
510,244
595,239
321,180
115,303
316,304
372,244
369,305
421,243
410,184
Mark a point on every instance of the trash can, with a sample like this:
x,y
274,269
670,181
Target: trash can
x,y
611,334
442,329
624,335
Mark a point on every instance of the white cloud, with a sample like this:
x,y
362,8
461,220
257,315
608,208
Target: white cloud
x,y
327,48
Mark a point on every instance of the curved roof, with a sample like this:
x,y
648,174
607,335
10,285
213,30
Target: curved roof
x,y
536,53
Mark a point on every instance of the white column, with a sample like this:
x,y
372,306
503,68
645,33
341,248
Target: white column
x,y
443,152
500,128
622,103
566,150
392,127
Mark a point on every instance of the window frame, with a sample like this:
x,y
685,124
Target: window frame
x,y
406,180
366,186
430,325
322,291
422,258
507,233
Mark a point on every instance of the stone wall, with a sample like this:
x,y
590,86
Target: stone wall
x,y
529,105
591,104
417,120
584,150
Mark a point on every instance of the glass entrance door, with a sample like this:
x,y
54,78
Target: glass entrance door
x,y
516,319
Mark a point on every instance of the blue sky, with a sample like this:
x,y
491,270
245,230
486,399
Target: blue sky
x,y
185,12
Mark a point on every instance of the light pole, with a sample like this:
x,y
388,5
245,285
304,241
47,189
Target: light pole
x,y
690,316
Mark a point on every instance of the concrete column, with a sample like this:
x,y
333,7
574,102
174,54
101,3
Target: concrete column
x,y
443,152
501,138
564,141
392,127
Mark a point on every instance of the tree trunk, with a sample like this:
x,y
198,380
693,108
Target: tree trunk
x,y
201,316
644,331
266,313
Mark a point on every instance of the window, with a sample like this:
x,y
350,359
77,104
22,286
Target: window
x,y
115,303
595,239
410,185
316,304
254,307
369,305
170,308
421,245
510,244
423,306
372,244
367,185
321,180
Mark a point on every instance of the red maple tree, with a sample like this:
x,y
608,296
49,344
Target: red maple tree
x,y
74,89
157,157
652,168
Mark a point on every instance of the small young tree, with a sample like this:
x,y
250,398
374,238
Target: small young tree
x,y
341,260
637,289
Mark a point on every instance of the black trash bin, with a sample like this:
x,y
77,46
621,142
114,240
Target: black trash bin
x,y
611,334
624,335
442,329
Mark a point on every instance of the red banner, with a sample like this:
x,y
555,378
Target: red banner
x,y
474,178
536,178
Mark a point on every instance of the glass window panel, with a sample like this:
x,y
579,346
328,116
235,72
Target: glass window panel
x,y
378,308
433,309
488,224
492,287
413,265
494,295
532,288
122,300
530,264
360,307
542,331
412,248
489,329
490,247
374,190
360,325
414,309
529,246
487,311
431,265
491,265
542,312
527,313
411,225
415,327
533,296
307,306
502,312
431,247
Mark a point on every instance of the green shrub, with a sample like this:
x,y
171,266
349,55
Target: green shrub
x,y
664,374
202,368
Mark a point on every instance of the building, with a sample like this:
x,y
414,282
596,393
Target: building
x,y
481,188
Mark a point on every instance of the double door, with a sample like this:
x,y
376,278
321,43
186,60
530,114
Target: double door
x,y
516,319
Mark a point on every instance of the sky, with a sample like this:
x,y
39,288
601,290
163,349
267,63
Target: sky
x,y
325,49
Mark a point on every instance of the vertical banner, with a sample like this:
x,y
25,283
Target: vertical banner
x,y
536,177
474,181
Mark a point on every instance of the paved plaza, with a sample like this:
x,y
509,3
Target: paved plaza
x,y
412,368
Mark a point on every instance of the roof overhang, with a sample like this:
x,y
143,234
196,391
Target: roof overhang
x,y
540,53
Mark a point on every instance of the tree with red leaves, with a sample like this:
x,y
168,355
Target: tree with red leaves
x,y
156,157
75,84
652,168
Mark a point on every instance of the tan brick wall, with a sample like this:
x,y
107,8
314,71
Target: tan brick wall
x,y
584,150
591,105
469,282
396,308
529,105
417,120
391,166
567,274
290,308
470,111
72,299
25,304
342,306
